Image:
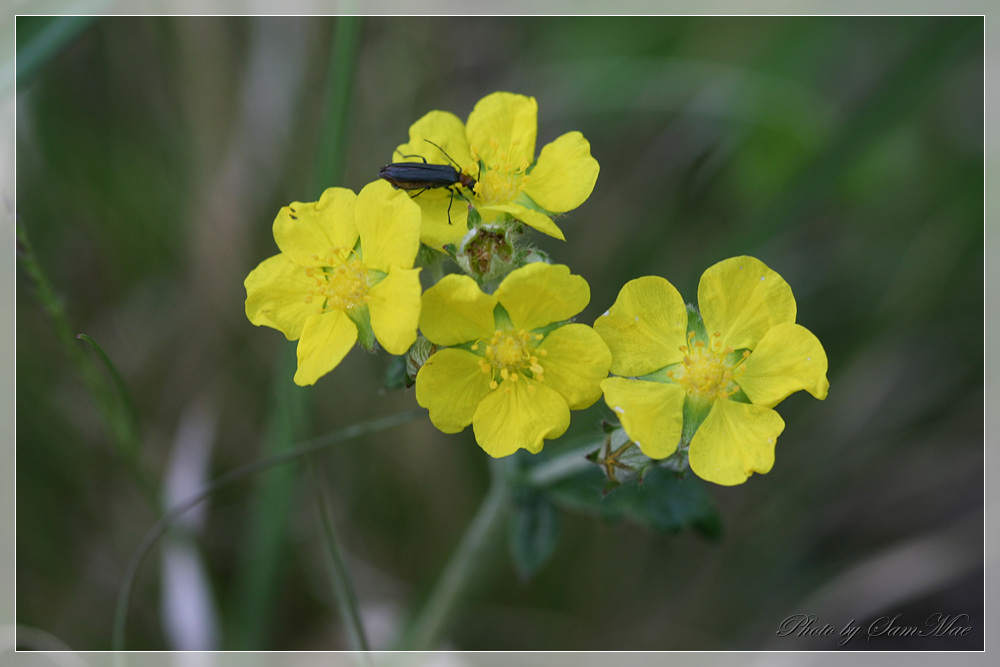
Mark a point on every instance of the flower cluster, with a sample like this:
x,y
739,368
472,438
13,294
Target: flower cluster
x,y
495,346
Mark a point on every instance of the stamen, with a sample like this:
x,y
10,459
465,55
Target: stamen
x,y
341,283
510,356
705,371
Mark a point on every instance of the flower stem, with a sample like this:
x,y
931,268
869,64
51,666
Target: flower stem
x,y
434,619
563,466
343,589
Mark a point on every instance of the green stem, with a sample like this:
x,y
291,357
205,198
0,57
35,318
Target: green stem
x,y
563,466
343,590
160,527
259,580
250,620
435,618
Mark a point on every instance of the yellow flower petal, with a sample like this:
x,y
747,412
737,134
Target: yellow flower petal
x,y
435,230
532,218
735,441
788,358
575,361
652,413
326,340
389,226
742,298
276,292
306,232
502,128
456,311
508,420
645,327
565,174
450,385
444,129
539,294
394,308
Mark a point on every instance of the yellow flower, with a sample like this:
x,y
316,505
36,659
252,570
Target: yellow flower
x,y
345,273
717,375
511,366
497,148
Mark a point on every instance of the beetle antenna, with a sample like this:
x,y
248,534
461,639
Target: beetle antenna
x,y
445,153
419,156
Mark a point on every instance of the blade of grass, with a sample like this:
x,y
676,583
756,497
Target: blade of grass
x,y
343,589
114,401
253,615
160,527
329,166
127,425
47,37
250,617
124,421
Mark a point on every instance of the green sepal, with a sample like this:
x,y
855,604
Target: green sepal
x,y
527,202
549,328
395,375
696,324
374,276
419,352
474,219
501,318
660,375
428,256
694,412
620,459
362,320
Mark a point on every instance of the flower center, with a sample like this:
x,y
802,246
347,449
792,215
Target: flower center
x,y
707,372
500,180
509,355
342,283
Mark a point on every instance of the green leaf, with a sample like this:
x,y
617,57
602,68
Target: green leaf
x,y
534,531
663,501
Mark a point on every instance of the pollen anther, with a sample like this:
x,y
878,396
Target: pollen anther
x,y
705,371
510,355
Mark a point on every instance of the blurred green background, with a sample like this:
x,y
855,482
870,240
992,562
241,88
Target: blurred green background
x,y
153,154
